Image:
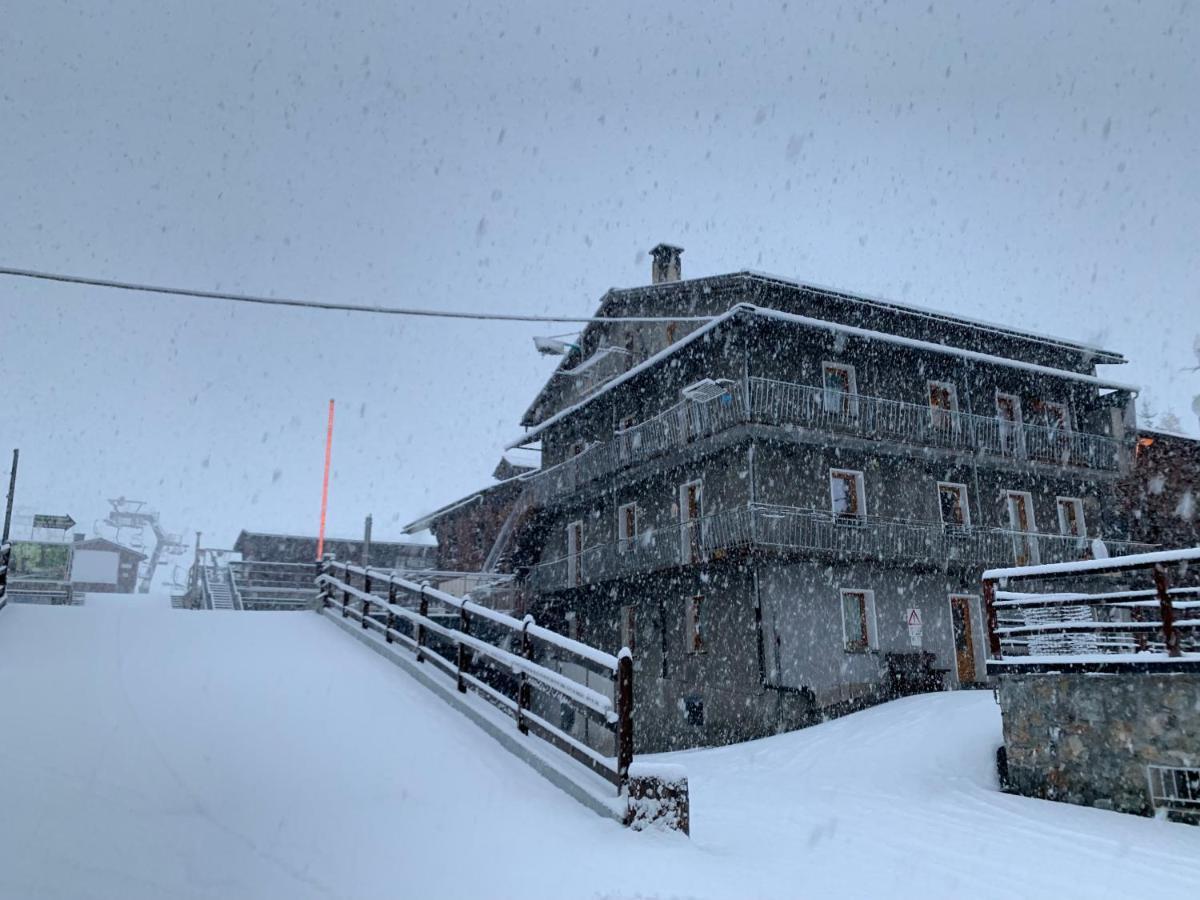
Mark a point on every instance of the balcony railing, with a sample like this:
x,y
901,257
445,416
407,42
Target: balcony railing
x,y
810,532
788,405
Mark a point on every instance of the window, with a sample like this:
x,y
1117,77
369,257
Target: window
x,y
628,627
846,493
952,500
858,621
1057,416
575,554
1070,517
1008,418
691,511
840,389
693,635
627,526
943,405
1020,520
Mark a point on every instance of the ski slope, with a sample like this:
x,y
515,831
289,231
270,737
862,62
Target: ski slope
x,y
155,753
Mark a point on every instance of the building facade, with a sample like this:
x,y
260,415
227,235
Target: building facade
x,y
1163,490
781,497
99,565
290,548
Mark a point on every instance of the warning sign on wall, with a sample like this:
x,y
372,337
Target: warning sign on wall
x,y
912,619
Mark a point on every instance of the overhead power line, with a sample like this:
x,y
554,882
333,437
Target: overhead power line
x,y
329,305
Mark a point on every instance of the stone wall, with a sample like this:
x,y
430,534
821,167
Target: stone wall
x,y
1087,737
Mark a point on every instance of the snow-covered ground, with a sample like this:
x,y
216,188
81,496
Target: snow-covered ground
x,y
152,753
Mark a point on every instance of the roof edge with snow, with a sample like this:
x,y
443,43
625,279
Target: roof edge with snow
x,y
821,325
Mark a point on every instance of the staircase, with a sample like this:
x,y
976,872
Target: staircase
x,y
273,586
217,589
502,546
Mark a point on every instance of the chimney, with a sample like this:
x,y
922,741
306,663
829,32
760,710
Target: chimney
x,y
666,263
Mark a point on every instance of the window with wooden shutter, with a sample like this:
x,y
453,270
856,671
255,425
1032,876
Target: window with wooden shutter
x,y
693,633
858,620
846,493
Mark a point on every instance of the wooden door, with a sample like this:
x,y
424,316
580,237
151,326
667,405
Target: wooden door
x,y
1020,519
1008,414
964,638
943,404
691,508
575,554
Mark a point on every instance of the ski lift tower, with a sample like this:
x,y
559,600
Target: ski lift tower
x,y
135,514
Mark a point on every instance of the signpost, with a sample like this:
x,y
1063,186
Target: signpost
x,y
55,523
12,489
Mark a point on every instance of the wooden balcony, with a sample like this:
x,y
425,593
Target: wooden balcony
x,y
806,408
806,533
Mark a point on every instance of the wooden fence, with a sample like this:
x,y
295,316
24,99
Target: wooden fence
x,y
507,661
1144,605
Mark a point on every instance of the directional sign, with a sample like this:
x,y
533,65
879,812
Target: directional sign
x,y
58,523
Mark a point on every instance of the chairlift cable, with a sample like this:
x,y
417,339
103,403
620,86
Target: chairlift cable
x,y
329,305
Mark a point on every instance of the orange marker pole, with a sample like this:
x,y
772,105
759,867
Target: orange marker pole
x,y
325,484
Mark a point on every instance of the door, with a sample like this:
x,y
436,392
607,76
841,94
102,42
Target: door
x,y
691,508
964,638
1008,418
943,406
1020,520
575,554
954,509
841,390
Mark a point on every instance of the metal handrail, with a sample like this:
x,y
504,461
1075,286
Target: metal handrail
x,y
413,627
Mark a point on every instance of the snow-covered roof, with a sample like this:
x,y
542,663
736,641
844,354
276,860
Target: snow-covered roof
x,y
824,325
1111,356
1085,566
1178,435
1099,354
101,543
311,537
429,518
523,457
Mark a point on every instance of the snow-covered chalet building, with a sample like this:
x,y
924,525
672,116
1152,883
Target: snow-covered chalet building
x,y
782,497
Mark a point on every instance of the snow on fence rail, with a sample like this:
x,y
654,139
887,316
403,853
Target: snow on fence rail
x,y
1116,616
496,656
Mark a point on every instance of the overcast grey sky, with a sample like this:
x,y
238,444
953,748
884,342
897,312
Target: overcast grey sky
x,y
1033,164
